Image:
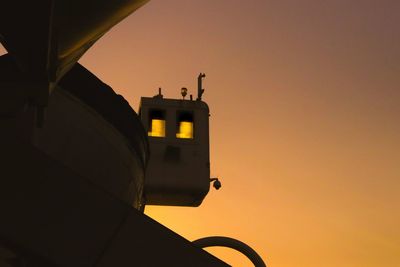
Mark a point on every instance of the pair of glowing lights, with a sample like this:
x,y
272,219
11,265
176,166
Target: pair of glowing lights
x,y
185,130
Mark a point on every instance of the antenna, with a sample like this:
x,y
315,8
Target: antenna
x,y
159,93
200,90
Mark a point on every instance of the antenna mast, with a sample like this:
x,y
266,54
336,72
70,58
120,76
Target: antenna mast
x,y
200,90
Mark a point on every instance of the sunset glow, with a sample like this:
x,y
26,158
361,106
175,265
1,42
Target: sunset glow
x,y
304,100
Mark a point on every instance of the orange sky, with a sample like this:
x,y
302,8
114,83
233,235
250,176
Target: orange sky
x,y
305,134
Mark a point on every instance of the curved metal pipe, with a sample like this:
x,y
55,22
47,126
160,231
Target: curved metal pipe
x,y
222,241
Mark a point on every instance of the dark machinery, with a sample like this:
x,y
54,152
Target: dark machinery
x,y
72,183
178,172
47,37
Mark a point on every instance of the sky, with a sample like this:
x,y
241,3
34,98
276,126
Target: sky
x,y
305,136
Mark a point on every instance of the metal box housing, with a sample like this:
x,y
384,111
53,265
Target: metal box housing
x,y
178,171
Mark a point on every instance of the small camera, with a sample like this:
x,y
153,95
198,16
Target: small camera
x,y
217,184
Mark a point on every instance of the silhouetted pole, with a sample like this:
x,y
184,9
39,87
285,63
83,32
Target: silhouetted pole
x,y
200,90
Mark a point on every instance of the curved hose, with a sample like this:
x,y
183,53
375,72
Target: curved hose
x,y
221,241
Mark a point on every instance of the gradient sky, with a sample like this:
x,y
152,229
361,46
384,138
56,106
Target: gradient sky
x,y
305,134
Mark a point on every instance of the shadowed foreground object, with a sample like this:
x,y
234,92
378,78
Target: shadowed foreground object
x,y
71,186
71,191
52,216
47,37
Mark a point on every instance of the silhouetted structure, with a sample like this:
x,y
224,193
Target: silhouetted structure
x,y
179,165
71,190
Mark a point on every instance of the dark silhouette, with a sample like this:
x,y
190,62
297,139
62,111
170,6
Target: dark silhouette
x,y
72,152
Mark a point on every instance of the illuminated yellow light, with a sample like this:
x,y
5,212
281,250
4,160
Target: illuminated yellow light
x,y
185,130
157,128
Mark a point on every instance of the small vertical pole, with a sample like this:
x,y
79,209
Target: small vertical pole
x,y
200,90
